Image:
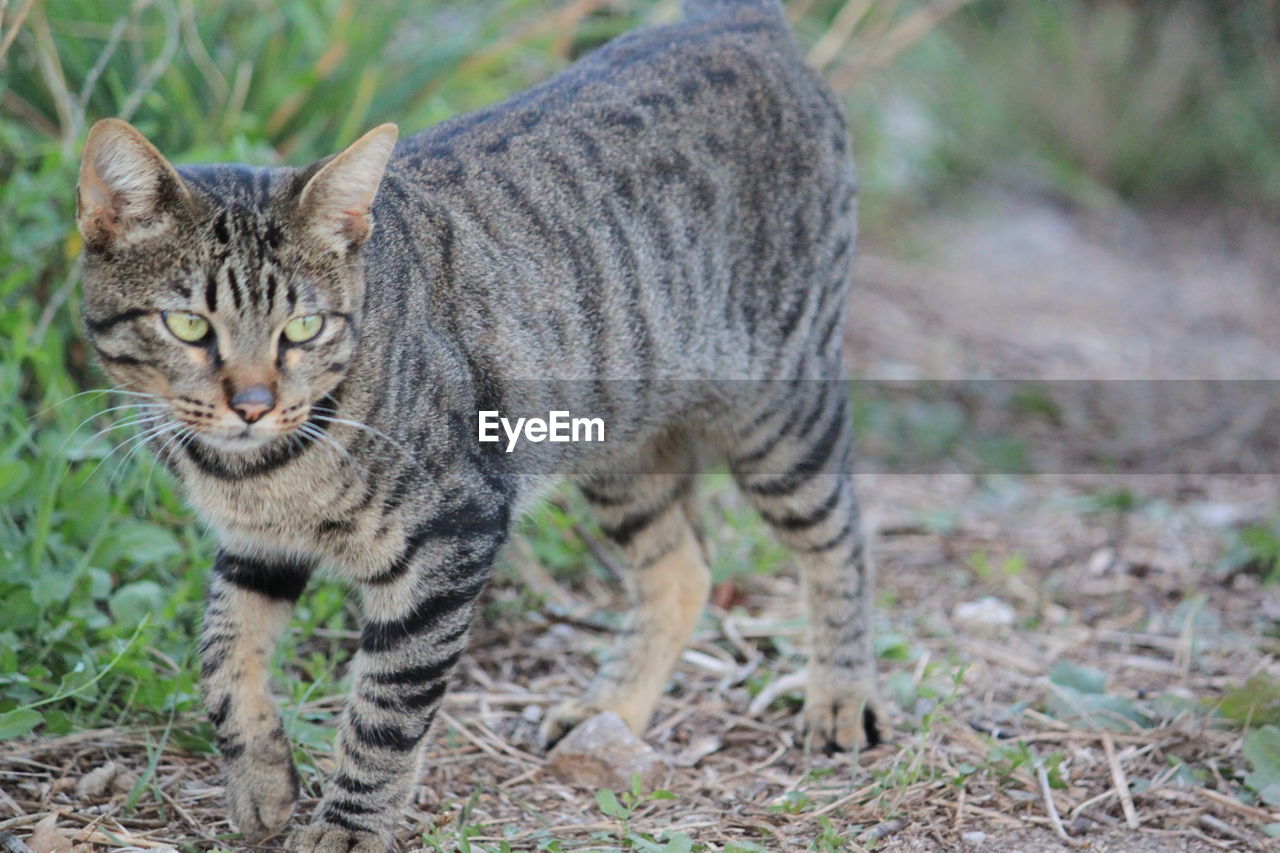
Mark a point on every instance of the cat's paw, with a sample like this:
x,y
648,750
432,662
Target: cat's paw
x,y
261,795
842,716
562,719
327,838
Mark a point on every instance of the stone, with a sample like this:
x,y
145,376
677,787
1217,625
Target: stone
x,y
986,613
601,752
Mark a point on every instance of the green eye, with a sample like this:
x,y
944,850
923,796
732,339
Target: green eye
x,y
187,327
302,329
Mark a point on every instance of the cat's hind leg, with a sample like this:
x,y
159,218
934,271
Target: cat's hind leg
x,y
644,514
793,464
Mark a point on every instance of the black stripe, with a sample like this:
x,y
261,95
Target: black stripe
x,y
425,616
354,786
814,517
828,544
127,360
812,463
211,291
236,296
274,456
350,807
788,429
211,661
277,580
420,674
219,713
601,499
97,327
383,737
423,698
625,530
338,820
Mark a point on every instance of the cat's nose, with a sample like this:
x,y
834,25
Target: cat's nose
x,y
253,402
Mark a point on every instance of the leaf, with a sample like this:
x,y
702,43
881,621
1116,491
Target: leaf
x,y
1262,751
19,722
133,602
145,544
608,803
1256,703
679,843
1097,710
47,838
1084,679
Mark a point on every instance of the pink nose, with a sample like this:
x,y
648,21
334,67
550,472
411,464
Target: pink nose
x,y
253,402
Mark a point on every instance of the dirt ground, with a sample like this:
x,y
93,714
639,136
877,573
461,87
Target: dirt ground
x,y
1013,288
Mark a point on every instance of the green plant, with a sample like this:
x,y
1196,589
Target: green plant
x,y
622,808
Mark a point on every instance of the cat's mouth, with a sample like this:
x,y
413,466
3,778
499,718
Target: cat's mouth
x,y
243,440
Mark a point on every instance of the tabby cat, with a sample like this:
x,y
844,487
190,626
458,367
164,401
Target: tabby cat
x,y
316,343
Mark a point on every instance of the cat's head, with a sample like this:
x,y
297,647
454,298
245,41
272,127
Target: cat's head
x,y
233,295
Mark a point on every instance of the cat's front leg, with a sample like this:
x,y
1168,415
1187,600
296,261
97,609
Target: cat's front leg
x,y
417,614
248,604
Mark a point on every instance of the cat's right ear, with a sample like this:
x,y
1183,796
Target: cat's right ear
x,y
128,192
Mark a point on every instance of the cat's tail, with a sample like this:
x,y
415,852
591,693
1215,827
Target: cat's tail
x,y
707,8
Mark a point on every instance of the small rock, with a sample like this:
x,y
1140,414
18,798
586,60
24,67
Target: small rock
x,y
977,839
601,752
1102,561
985,613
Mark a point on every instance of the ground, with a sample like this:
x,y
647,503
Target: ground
x,y
1052,644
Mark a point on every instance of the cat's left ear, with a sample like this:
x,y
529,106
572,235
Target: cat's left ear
x,y
127,192
338,199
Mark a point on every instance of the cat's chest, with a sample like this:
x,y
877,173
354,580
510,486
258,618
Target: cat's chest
x,y
285,511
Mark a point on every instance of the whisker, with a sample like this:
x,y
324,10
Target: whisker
x,y
359,425
128,422
98,391
140,442
315,432
136,442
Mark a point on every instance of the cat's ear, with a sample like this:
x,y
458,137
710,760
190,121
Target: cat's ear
x,y
338,199
127,192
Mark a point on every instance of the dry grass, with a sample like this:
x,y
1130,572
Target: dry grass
x,y
971,753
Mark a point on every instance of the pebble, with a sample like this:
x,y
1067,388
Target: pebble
x,y
988,613
601,752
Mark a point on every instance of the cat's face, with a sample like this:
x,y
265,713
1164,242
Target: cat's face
x,y
230,295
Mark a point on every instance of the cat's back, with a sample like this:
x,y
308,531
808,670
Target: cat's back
x,y
726,84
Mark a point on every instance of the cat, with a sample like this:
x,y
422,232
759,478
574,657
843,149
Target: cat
x,y
667,226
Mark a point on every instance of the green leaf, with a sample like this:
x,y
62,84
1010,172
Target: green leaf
x,y
1262,751
608,802
146,544
679,843
133,602
19,722
1257,703
1085,679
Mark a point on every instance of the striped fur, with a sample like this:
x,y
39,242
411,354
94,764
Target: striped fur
x,y
668,226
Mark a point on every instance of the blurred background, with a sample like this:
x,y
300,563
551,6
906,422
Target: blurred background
x,y
1051,189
